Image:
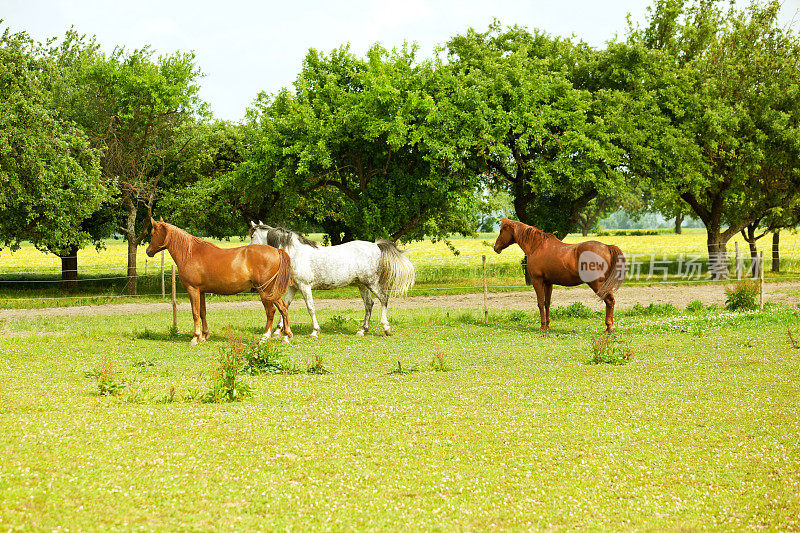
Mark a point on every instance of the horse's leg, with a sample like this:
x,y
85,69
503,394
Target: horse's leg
x,y
368,303
194,298
269,308
609,300
305,290
283,307
548,292
383,298
290,292
206,333
538,286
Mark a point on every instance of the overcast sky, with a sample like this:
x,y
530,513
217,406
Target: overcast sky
x,y
247,46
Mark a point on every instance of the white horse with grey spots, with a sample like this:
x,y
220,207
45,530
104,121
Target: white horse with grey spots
x,y
377,267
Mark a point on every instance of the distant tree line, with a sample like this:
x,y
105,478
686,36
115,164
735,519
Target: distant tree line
x,y
695,115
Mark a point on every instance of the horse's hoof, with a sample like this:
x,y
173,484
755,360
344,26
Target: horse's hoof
x,y
387,331
286,339
277,334
193,342
314,334
360,333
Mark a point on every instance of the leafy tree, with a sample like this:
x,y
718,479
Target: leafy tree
x,y
356,149
50,183
734,100
531,119
199,193
132,107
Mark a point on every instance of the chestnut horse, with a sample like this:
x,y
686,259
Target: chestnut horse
x,y
551,262
204,267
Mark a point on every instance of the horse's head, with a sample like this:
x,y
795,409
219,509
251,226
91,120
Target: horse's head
x,y
258,232
158,236
506,237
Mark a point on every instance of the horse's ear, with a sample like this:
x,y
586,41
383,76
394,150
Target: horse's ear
x,y
260,223
152,222
161,219
252,224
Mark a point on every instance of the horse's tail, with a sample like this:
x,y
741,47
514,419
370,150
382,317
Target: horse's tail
x,y
395,271
615,274
276,286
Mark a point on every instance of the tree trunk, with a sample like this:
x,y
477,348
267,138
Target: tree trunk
x,y
718,266
69,270
776,258
678,222
130,236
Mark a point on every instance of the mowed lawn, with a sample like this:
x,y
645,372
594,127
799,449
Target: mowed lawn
x,y
698,431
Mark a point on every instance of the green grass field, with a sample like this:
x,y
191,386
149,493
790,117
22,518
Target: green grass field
x,y
699,431
29,278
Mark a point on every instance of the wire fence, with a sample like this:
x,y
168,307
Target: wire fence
x,y
642,268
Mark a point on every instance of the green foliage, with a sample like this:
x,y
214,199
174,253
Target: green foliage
x,y
50,181
695,306
574,310
225,385
742,295
357,149
606,350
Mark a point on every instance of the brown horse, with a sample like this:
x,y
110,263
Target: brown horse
x,y
551,262
204,267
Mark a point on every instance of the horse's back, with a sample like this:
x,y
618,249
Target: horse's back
x,y
336,266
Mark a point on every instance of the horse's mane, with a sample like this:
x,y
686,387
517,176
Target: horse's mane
x,y
280,237
181,241
530,237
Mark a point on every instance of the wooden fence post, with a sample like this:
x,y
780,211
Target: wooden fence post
x,y
761,280
163,294
485,306
174,303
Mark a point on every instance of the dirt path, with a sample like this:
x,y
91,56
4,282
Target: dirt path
x,y
627,296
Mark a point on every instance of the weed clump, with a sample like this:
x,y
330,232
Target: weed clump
x,y
108,380
606,351
400,370
225,384
438,363
695,306
742,296
317,367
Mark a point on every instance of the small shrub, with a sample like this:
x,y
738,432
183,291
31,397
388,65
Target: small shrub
x,y
400,370
143,363
695,306
742,295
606,351
317,367
169,397
108,382
263,357
438,363
337,322
225,384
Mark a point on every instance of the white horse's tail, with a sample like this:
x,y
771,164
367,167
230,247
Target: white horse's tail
x,y
396,272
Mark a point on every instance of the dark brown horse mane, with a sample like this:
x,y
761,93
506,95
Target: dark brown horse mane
x,y
279,237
